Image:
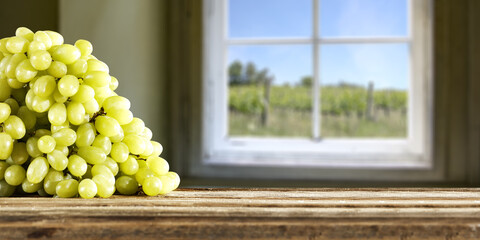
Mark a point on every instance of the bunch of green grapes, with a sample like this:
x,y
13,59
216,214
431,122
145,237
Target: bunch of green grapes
x,y
64,131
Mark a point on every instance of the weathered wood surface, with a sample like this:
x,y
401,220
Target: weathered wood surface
x,y
250,214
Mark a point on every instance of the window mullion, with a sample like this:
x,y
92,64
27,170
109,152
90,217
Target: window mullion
x,y
316,116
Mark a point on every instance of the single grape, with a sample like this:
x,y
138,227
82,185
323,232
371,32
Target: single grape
x,y
97,79
158,165
176,179
95,65
68,85
25,33
35,46
28,117
57,38
57,69
87,189
14,83
42,132
65,137
67,188
37,170
17,44
112,165
42,36
91,106
6,190
77,166
84,46
93,155
57,114
78,68
11,67
134,127
135,143
14,175
3,167
57,160
5,111
157,148
142,174
103,142
84,94
126,185
32,147
15,127
107,126
19,153
123,116
44,86
148,149
51,180
41,104
40,60
113,83
119,152
14,106
46,144
29,187
63,149
104,188
66,53
152,186
25,72
168,184
130,166
75,113
5,90
58,97
85,135
118,102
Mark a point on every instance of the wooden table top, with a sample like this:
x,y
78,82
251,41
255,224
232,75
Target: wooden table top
x,y
323,213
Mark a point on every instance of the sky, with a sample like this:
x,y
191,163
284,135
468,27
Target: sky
x,y
384,64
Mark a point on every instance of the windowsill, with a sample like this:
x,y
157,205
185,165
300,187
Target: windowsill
x,y
321,213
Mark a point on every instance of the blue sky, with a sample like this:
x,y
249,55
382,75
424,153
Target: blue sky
x,y
384,64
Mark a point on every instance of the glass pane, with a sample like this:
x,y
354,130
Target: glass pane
x,y
269,18
353,18
364,90
267,93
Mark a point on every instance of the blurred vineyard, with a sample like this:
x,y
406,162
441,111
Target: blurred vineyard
x,y
258,107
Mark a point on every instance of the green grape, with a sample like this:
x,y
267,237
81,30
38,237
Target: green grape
x,y
28,98
14,83
68,85
17,44
87,189
93,155
57,114
88,173
176,179
19,95
112,165
157,148
130,166
14,175
3,44
113,83
28,117
168,184
126,185
25,33
46,144
102,169
19,153
117,138
119,152
15,127
41,104
57,69
57,38
66,53
63,149
135,143
58,97
57,160
29,187
56,128
147,133
97,79
32,147
12,104
25,72
67,188
40,60
95,65
75,113
51,180
107,126
65,137
116,102
35,46
85,135
134,127
102,93
11,67
3,63
44,86
148,148
142,174
77,166
5,90
84,94
3,167
142,164
42,132
78,68
41,36
152,186
91,106
84,46
103,142
105,188
123,116
6,190
5,111
158,165
37,170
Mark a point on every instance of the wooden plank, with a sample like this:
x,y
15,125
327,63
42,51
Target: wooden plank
x,y
324,213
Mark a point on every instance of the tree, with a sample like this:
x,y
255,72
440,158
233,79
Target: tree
x,y
235,73
306,81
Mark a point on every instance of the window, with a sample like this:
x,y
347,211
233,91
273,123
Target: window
x,y
250,49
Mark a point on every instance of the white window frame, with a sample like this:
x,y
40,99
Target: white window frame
x,y
246,157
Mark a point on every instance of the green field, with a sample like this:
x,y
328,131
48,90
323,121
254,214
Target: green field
x,y
343,112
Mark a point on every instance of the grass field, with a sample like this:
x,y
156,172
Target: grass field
x,y
298,123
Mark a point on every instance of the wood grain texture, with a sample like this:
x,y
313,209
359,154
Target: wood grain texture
x,y
323,213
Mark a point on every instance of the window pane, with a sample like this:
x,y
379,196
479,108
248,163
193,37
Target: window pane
x,y
267,96
269,18
344,18
364,90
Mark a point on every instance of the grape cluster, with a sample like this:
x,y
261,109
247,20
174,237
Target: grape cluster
x,y
63,129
